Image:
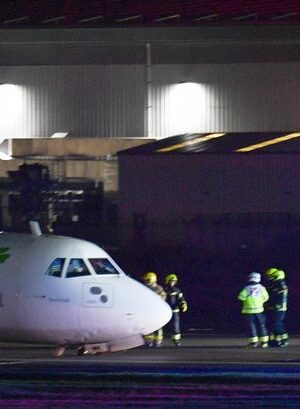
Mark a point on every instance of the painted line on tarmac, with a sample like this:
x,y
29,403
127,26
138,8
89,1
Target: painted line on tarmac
x,y
98,361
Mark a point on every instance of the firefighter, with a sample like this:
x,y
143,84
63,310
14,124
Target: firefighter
x,y
178,304
277,306
150,280
253,297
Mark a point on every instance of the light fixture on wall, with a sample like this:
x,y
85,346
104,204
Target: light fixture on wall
x,y
5,149
187,107
4,156
11,104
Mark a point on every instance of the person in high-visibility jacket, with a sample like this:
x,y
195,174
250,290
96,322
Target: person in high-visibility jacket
x,y
150,280
276,307
253,296
178,303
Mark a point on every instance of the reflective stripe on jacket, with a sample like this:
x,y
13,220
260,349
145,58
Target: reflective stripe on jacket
x,y
175,298
278,291
158,289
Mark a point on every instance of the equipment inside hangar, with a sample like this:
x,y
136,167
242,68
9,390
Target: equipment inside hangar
x,y
64,205
69,185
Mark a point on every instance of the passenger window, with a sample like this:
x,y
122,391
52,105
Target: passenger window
x,y
77,268
103,266
56,267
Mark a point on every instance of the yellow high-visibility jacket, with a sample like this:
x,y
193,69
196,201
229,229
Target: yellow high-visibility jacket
x,y
253,297
158,289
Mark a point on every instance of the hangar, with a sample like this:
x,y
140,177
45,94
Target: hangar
x,y
112,71
115,70
215,192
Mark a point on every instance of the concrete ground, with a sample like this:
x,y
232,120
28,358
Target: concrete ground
x,y
205,372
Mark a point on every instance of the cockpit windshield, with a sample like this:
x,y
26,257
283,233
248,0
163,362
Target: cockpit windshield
x,y
56,267
103,266
77,268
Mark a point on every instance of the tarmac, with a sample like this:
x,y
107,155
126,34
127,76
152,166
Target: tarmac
x,y
205,372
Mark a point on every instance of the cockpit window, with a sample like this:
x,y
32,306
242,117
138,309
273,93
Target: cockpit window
x,y
56,267
103,266
77,268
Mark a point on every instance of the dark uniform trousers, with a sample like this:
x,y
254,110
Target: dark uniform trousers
x,y
277,308
177,302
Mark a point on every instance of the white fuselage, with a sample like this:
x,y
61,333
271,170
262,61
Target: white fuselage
x,y
37,305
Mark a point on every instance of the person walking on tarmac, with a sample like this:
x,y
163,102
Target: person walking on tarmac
x,y
178,303
253,297
276,307
150,280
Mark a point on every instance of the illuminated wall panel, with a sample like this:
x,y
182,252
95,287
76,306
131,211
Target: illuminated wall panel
x,y
110,100
234,98
82,100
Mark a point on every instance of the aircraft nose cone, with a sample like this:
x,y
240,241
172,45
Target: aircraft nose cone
x,y
159,315
164,312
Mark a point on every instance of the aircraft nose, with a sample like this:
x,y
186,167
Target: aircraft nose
x,y
159,314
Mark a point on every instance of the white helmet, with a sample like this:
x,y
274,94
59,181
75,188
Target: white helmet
x,y
255,277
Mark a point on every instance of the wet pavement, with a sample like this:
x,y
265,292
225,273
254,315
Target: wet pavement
x,y
206,372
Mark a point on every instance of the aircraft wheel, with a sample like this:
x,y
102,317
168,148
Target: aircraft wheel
x,y
82,351
59,351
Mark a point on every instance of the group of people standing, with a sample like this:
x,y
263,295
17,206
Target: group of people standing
x,y
264,308
175,298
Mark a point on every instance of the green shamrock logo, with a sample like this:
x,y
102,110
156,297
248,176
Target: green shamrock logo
x,y
3,254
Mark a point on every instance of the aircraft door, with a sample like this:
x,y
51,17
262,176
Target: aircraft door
x,y
97,301
97,295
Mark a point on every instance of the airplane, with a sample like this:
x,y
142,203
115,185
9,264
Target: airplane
x,y
70,293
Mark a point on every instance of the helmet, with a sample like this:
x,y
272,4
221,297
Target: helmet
x,y
270,272
150,278
279,275
171,277
275,274
254,276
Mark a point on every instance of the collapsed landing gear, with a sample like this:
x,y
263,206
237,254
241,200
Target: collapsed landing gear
x,y
83,349
59,351
91,349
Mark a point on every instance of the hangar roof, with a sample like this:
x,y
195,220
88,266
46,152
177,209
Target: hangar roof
x,y
129,13
234,142
168,45
66,32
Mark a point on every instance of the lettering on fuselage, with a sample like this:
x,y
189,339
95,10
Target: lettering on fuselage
x,y
58,299
4,254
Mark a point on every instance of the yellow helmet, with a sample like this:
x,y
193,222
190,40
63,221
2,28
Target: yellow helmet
x,y
275,274
279,275
270,272
171,277
150,278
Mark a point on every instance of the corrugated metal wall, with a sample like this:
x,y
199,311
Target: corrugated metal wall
x,y
89,100
109,100
233,98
